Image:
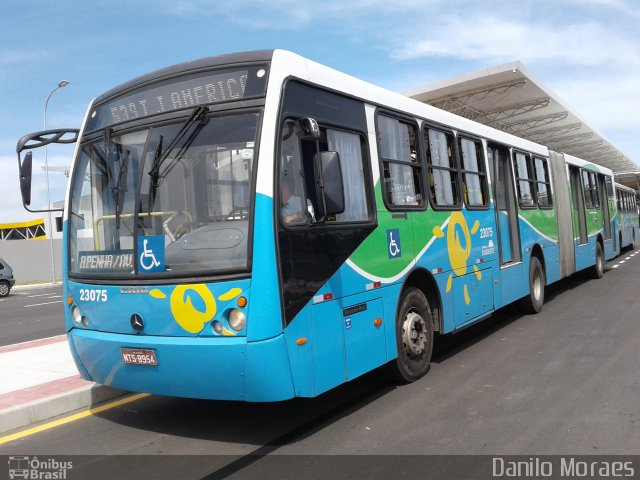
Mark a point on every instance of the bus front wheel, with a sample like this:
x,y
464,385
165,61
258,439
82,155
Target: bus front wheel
x,y
414,338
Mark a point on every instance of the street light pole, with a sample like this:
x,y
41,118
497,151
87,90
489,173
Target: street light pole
x,y
61,84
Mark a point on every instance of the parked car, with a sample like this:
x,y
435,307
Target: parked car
x,y
6,278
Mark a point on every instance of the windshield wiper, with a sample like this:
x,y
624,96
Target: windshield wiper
x,y
198,115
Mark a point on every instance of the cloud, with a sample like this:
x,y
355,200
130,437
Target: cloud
x,y
499,39
13,58
259,15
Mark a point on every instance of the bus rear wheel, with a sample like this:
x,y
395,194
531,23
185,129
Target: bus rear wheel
x,y
533,302
414,338
597,270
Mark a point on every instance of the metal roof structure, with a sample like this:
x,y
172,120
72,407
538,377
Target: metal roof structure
x,y
31,230
509,98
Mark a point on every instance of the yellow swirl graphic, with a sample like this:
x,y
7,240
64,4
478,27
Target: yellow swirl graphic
x,y
231,294
188,317
458,254
155,293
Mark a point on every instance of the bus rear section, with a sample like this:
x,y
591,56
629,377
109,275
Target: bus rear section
x,y
627,211
587,216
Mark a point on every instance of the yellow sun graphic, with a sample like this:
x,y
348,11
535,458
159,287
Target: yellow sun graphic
x,y
459,248
186,314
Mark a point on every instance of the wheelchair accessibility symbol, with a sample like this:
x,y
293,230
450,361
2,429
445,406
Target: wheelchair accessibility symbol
x,y
151,254
393,243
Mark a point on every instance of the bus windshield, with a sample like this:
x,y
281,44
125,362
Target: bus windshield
x,y
170,200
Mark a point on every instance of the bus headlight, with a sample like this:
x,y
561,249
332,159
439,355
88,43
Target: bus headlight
x,y
78,318
237,320
77,315
217,327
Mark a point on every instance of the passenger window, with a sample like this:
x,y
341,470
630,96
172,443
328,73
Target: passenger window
x,y
349,147
473,172
618,200
591,198
402,172
300,200
543,187
609,186
442,168
524,180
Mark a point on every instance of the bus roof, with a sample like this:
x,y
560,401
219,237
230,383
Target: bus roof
x,y
585,163
295,65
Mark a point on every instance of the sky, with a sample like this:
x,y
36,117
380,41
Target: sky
x,y
585,51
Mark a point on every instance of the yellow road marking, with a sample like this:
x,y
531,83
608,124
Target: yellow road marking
x,y
72,418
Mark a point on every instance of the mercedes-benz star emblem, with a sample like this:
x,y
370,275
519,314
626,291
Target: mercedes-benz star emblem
x,y
136,322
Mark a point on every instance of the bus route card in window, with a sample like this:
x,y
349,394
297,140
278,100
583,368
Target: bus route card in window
x,y
136,356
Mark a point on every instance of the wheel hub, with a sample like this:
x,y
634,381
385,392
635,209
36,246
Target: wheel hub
x,y
414,336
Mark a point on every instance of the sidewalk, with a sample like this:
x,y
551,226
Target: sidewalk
x,y
39,381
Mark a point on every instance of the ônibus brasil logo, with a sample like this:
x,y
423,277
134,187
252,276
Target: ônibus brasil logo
x,y
38,469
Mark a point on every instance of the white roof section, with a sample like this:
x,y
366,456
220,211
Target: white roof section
x,y
508,97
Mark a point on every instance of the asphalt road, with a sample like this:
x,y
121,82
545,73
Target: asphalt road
x,y
564,382
30,313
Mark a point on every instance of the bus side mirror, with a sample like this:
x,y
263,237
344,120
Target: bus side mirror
x,y
310,127
37,140
25,179
330,187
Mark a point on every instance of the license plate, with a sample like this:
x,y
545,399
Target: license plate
x,y
134,356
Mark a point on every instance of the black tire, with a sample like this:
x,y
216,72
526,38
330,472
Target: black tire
x,y
4,289
534,301
414,338
597,270
620,244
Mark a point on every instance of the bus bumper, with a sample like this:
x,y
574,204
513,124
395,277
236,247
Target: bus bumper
x,y
210,368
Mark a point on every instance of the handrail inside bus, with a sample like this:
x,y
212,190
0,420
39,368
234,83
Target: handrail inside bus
x,y
98,220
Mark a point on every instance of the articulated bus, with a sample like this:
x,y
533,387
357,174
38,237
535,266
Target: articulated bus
x,y
258,227
627,206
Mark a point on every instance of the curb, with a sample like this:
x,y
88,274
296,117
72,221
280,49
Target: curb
x,y
49,407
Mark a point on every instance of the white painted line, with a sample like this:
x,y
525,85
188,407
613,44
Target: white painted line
x,y
627,258
615,266
621,262
42,295
38,304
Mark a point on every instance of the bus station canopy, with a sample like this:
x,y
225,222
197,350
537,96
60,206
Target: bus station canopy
x,y
509,98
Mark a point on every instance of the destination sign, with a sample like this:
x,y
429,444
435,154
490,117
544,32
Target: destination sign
x,y
112,261
187,92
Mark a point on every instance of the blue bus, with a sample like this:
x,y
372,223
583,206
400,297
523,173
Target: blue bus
x,y
258,226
